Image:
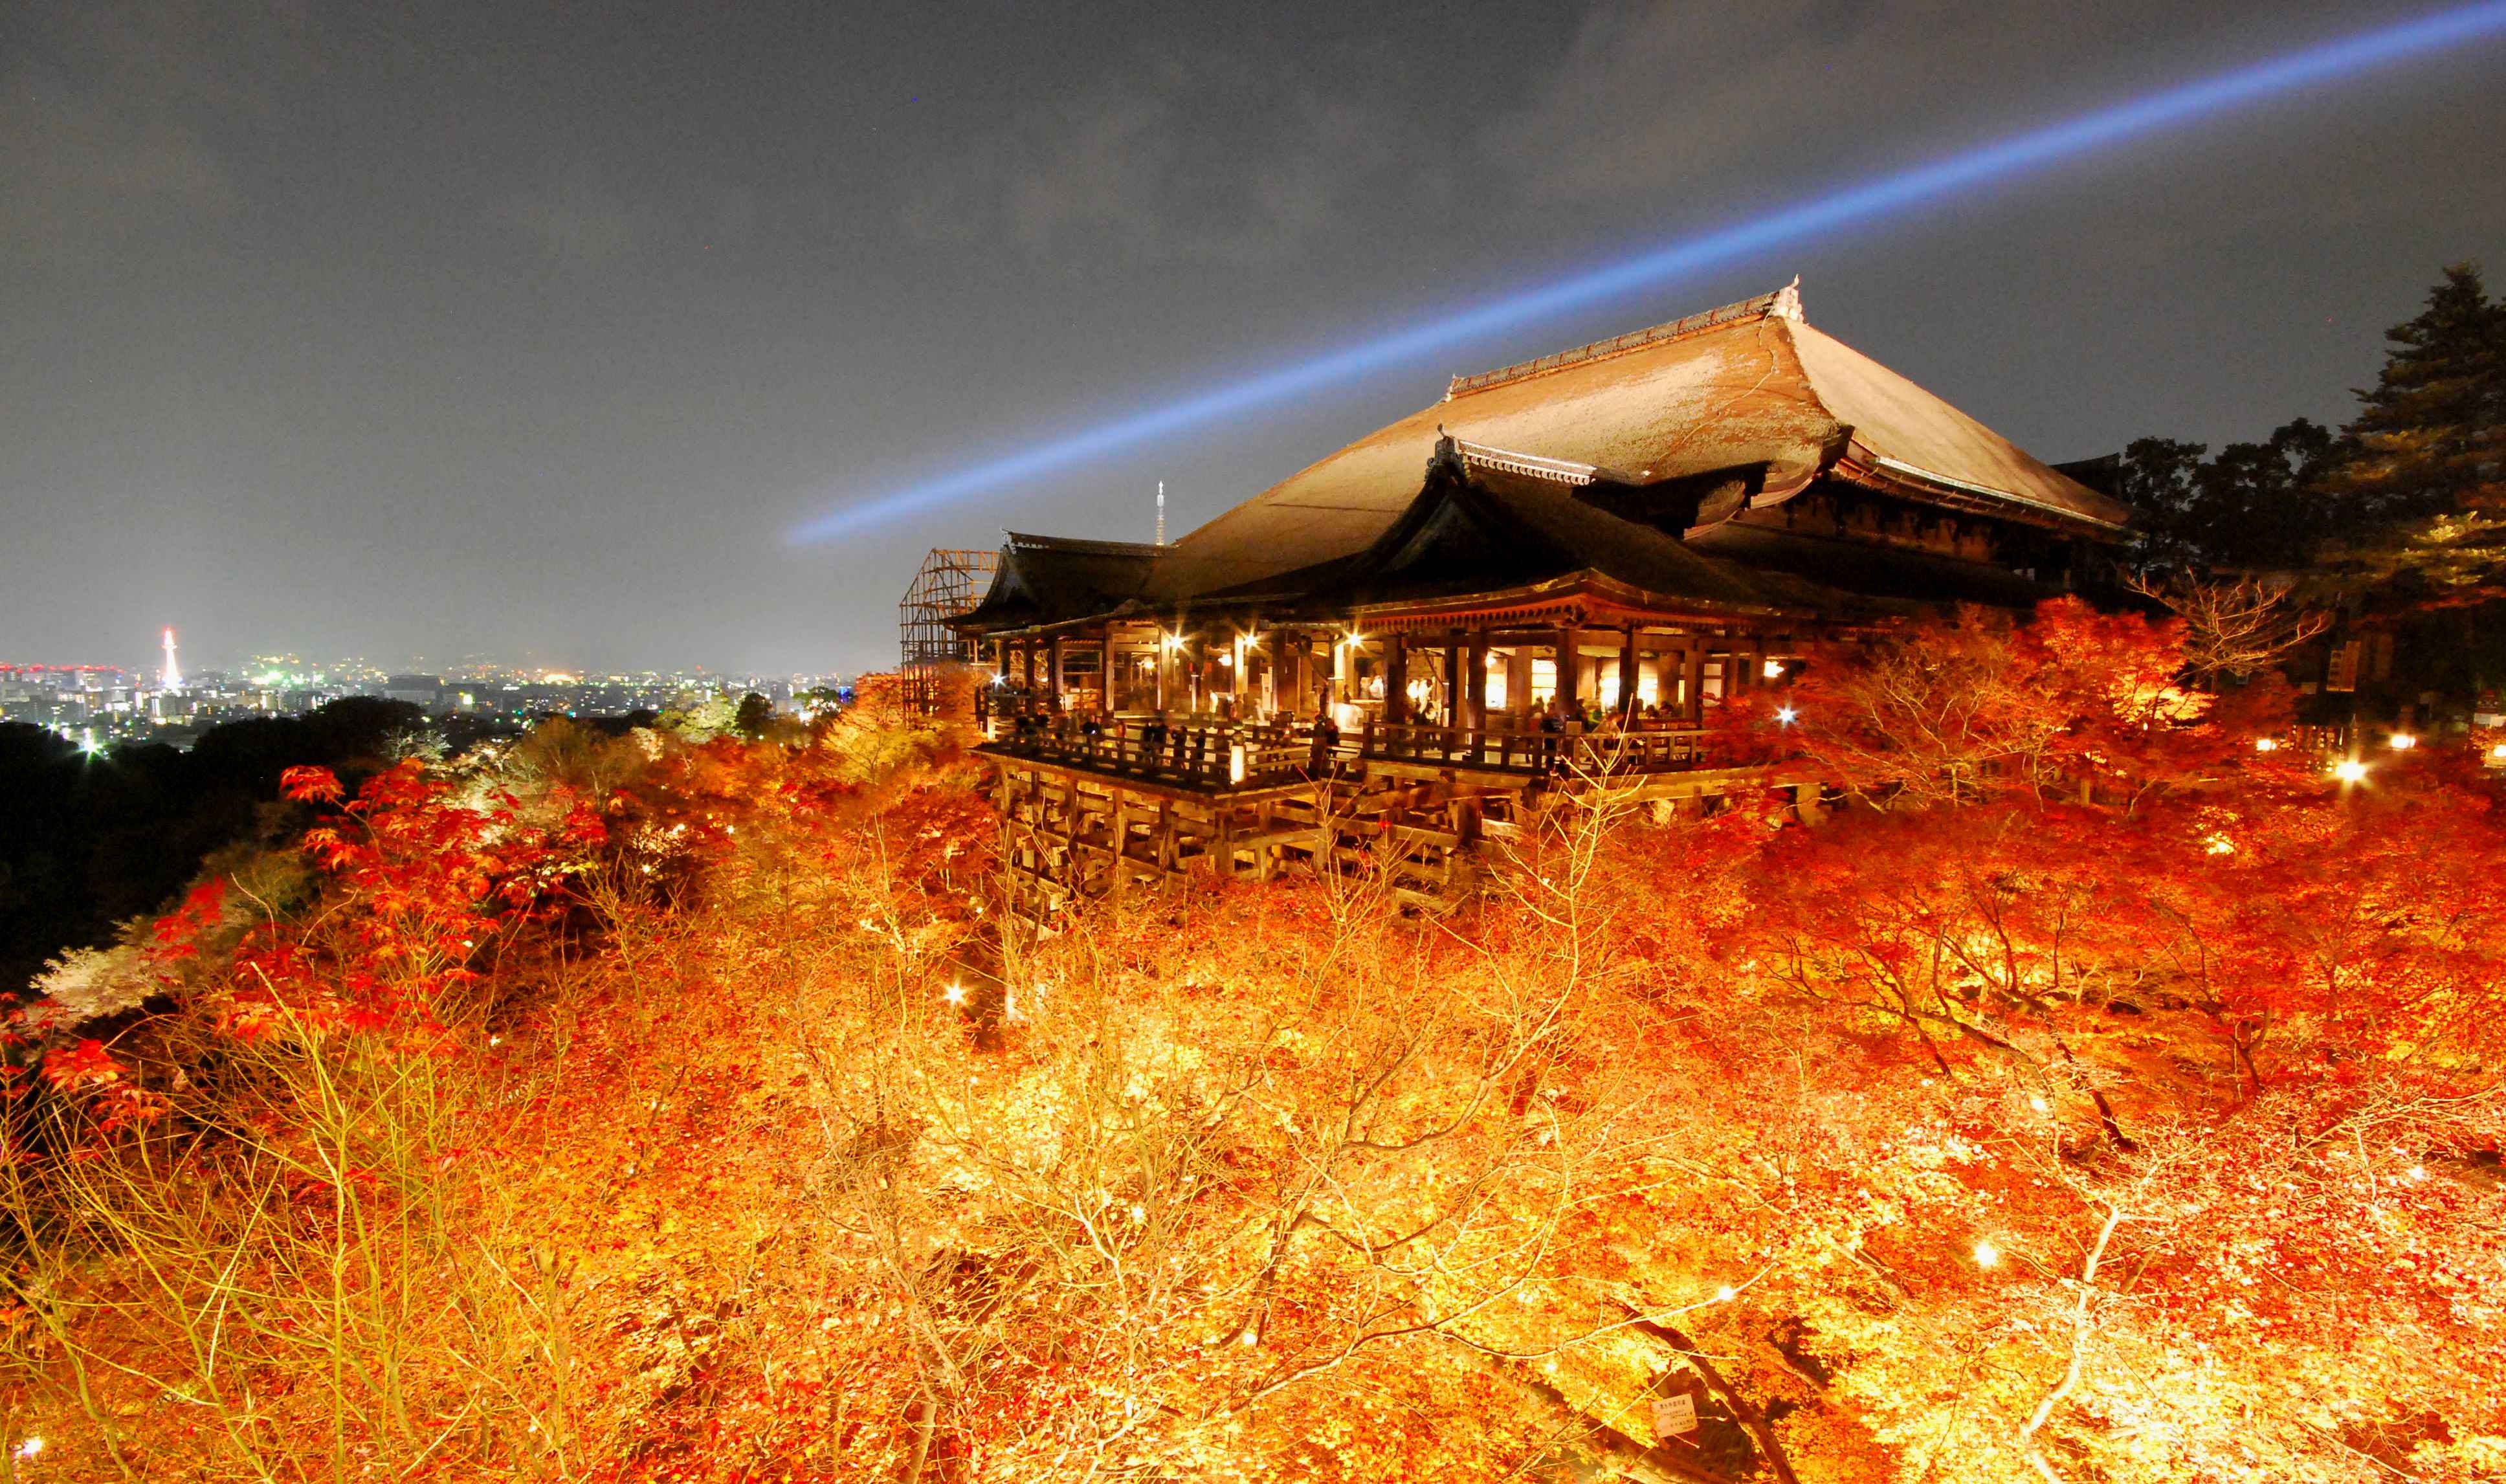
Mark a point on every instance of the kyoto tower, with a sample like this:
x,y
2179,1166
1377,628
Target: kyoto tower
x,y
171,679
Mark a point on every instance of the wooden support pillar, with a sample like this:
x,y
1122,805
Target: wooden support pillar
x,y
1121,830
1344,670
1105,673
1474,683
1059,688
1449,670
1568,663
1627,672
1396,679
1692,680
1518,681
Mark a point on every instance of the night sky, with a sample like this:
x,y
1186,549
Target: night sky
x,y
530,331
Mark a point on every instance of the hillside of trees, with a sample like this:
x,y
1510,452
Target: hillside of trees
x,y
2092,1095
87,842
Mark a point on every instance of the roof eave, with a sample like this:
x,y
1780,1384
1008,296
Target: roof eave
x,y
1878,471
1553,592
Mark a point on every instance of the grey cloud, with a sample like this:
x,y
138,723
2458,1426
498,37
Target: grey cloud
x,y
107,121
1203,159
576,226
77,170
1652,97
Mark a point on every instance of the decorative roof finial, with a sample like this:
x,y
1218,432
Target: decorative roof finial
x,y
1787,304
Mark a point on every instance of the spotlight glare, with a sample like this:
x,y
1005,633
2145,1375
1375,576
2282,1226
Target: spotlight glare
x,y
1804,220
2349,770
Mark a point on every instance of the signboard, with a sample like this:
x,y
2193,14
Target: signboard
x,y
2342,674
1675,1416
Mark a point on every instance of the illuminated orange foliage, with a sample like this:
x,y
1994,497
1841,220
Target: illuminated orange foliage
x,y
2089,1096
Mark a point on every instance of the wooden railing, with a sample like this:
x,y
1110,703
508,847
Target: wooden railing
x,y
1644,750
1198,755
1218,756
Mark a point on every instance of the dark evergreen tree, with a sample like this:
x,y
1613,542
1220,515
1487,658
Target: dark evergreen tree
x,y
2254,506
2423,468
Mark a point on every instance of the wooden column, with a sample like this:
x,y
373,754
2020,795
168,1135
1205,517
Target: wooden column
x,y
1396,679
1058,686
1475,681
1105,674
1199,652
1568,663
1692,682
1518,681
1627,672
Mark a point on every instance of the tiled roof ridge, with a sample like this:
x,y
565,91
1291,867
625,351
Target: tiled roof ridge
x,y
1530,465
1023,540
1782,304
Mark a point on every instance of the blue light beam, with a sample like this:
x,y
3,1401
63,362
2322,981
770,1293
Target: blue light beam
x,y
1794,223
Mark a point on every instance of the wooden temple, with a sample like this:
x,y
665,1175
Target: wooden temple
x,y
1538,584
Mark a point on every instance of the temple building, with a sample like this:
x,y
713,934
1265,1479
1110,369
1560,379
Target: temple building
x,y
1610,536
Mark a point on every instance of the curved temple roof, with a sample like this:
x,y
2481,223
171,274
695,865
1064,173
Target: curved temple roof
x,y
1750,383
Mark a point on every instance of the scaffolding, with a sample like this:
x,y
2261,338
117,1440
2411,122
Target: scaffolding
x,y
951,581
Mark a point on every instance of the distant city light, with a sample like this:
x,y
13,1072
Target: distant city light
x,y
1803,220
2266,744
2402,741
